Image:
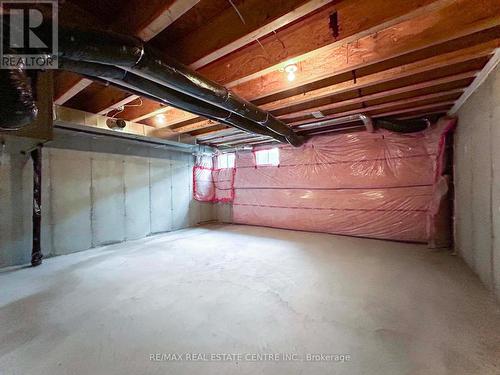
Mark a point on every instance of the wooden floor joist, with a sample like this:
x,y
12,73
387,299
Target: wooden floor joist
x,y
203,47
146,28
404,102
481,77
151,114
441,107
215,39
386,58
399,72
390,75
383,94
69,88
313,37
456,92
418,33
117,105
308,38
196,126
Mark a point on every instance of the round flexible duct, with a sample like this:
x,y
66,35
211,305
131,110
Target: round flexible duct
x,y
141,86
132,55
403,126
18,107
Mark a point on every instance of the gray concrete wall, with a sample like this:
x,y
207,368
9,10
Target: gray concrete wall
x,y
95,192
224,212
477,182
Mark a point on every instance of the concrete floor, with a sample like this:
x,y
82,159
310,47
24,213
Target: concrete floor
x,y
394,308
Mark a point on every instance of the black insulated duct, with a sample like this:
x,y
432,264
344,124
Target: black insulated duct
x,y
18,107
403,126
143,87
126,61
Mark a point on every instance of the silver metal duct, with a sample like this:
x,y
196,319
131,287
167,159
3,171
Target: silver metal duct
x,y
367,121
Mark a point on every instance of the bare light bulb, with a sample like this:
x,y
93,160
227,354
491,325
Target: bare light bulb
x,y
291,70
161,119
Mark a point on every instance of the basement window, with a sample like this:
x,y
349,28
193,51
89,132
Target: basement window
x,y
225,160
268,157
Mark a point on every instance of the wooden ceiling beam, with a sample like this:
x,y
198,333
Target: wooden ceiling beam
x,y
104,98
226,33
481,77
424,109
67,85
146,19
428,28
148,109
414,33
196,126
390,75
357,18
216,39
119,104
212,130
167,132
418,33
173,117
151,114
421,111
408,101
151,108
416,112
427,113
387,106
219,133
382,94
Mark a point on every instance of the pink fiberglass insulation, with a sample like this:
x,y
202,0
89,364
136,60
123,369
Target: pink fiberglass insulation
x,y
380,185
211,184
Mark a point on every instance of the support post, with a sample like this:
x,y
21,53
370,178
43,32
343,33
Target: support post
x,y
36,252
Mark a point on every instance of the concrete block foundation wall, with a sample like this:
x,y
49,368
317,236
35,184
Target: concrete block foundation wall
x,y
93,198
477,182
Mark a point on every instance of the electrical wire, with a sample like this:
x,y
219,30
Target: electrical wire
x,y
126,106
256,39
237,11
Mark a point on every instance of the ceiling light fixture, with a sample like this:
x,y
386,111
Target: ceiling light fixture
x,y
161,119
290,71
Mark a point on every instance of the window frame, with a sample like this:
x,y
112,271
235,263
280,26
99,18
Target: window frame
x,y
271,157
230,160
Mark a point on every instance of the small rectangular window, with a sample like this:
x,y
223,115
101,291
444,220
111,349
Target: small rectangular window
x,y
268,157
225,160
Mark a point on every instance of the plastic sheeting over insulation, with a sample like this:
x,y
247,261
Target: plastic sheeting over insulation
x,y
379,185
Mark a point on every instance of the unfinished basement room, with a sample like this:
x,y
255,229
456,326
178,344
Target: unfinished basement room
x,y
280,187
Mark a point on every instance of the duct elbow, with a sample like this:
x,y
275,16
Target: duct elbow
x,y
367,120
18,108
403,126
297,140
